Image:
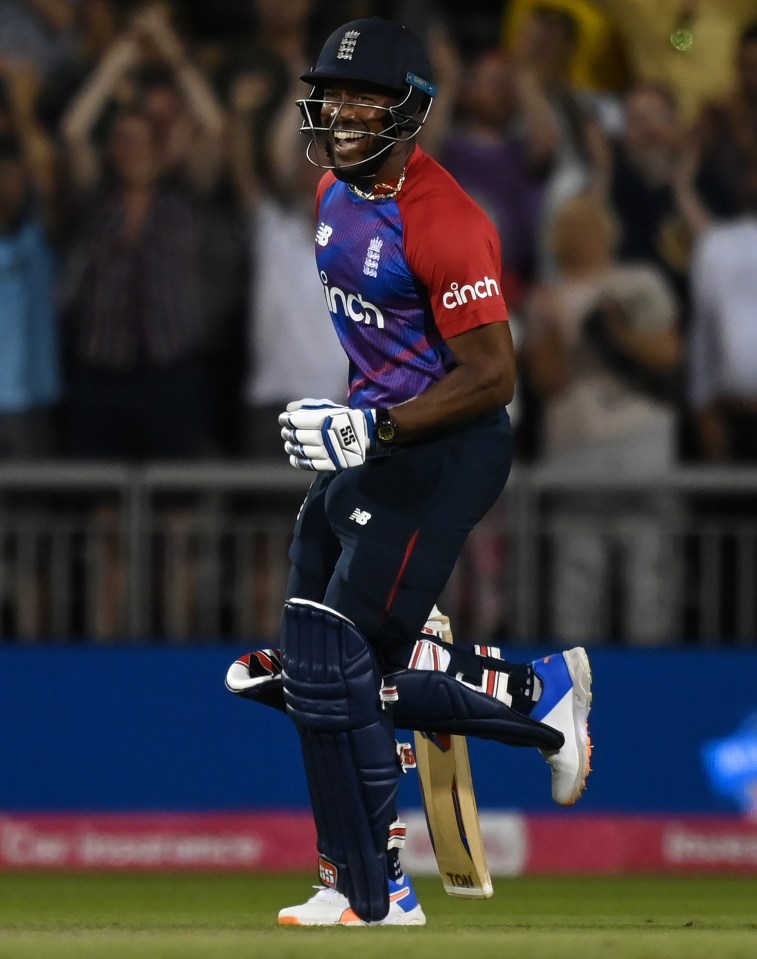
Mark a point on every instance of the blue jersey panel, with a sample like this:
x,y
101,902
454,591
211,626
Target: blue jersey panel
x,y
381,313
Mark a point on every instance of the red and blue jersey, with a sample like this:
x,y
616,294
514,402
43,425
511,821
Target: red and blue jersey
x,y
403,275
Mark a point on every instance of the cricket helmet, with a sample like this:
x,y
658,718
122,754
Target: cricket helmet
x,y
379,53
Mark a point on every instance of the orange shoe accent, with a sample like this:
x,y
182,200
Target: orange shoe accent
x,y
289,921
588,770
349,916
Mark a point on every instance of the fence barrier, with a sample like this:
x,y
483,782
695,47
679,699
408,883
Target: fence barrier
x,y
98,553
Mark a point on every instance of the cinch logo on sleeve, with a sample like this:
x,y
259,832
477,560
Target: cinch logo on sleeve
x,y
458,295
353,304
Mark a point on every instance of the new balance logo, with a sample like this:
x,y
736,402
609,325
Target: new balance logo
x,y
348,436
322,234
347,45
360,516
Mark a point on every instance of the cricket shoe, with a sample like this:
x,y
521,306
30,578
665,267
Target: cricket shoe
x,y
564,704
330,908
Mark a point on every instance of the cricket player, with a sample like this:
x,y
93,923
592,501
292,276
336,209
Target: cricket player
x,y
405,467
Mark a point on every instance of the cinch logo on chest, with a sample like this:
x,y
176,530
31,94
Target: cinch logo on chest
x,y
457,295
352,304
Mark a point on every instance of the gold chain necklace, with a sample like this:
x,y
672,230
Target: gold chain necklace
x,y
387,191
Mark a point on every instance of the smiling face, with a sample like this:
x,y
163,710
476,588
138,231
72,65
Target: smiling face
x,y
355,117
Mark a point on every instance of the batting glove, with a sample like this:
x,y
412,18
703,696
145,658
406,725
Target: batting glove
x,y
323,436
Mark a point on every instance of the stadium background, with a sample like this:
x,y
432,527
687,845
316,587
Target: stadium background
x,y
119,756
139,758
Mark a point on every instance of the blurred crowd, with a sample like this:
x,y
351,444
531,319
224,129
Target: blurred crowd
x,y
157,295
158,298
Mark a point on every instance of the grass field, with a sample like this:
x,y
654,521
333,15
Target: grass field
x,y
191,916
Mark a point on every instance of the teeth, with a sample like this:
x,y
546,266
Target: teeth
x,y
347,135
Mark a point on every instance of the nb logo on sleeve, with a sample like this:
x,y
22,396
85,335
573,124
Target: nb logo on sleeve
x,y
323,234
360,516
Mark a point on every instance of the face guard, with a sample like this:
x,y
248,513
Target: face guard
x,y
372,54
402,121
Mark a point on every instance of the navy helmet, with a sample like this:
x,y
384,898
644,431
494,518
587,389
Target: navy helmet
x,y
377,52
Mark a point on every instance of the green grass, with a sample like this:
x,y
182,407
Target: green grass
x,y
193,916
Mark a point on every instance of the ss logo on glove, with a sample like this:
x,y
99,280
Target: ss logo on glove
x,y
323,436
348,436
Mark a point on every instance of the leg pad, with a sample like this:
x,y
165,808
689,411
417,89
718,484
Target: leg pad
x,y
331,688
435,702
441,704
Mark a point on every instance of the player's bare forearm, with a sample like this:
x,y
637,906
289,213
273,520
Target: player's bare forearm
x,y
483,380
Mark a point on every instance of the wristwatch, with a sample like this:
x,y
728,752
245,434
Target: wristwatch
x,y
386,429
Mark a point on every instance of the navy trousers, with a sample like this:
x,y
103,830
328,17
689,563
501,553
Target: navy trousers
x,y
379,542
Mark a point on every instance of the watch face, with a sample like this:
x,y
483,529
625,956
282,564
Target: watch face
x,y
386,432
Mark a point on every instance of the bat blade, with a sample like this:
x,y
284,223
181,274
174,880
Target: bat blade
x,y
449,803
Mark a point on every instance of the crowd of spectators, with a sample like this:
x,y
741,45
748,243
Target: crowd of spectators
x,y
155,214
157,293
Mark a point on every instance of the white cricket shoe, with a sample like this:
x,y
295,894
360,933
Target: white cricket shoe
x,y
325,908
330,908
564,704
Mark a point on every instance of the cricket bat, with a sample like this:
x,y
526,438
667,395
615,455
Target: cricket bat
x,y
449,803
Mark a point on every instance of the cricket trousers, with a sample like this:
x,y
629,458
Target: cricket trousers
x,y
379,542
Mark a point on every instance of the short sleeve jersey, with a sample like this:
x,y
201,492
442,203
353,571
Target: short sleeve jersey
x,y
402,275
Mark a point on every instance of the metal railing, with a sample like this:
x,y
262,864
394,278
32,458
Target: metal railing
x,y
198,553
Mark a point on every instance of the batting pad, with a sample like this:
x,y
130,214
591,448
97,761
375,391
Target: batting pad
x,y
435,702
331,689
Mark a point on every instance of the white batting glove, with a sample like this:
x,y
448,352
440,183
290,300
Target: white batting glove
x,y
324,436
